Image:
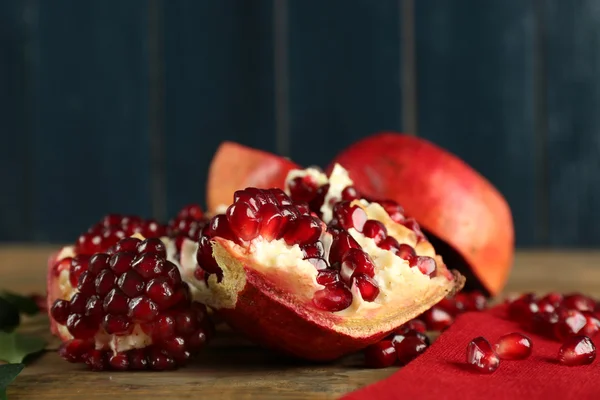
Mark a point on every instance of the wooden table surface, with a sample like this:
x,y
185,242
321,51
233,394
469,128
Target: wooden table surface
x,y
232,368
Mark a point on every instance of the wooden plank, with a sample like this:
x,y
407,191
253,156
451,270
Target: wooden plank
x,y
475,68
89,144
573,101
219,86
345,74
14,97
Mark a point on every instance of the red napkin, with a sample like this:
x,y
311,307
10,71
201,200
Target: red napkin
x,y
442,373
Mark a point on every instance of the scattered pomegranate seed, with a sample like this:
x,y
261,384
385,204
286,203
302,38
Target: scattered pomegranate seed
x,y
413,325
513,346
570,325
437,319
577,350
380,355
409,346
481,356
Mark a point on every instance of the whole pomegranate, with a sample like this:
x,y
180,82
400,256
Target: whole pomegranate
x,y
117,302
317,272
465,217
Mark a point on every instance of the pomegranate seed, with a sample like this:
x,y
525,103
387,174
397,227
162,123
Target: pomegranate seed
x,y
185,323
119,361
79,328
577,350
197,340
411,224
87,284
159,361
116,324
367,286
543,323
302,231
375,230
313,250
380,355
98,263
523,308
318,199
152,245
60,311
105,282
394,210
450,305
413,325
219,226
425,264
350,193
389,243
271,223
79,264
74,350
121,262
336,297
328,277
116,303
318,263
243,220
513,346
78,303
142,309
131,283
354,262
281,198
577,301
481,356
164,327
111,220
406,252
159,291
193,211
409,346
437,319
149,265
349,216
302,188
94,310
97,361
570,325
342,242
204,256
592,325
137,360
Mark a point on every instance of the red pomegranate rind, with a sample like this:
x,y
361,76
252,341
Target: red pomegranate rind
x,y
235,166
296,327
446,196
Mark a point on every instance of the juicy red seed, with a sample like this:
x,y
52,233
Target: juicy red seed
x,y
110,238
116,324
356,262
97,361
112,220
175,346
342,242
317,201
476,301
410,346
142,309
149,265
172,274
119,361
121,262
592,325
437,319
87,284
105,282
152,245
380,355
336,297
523,308
313,250
406,252
159,361
243,220
197,340
425,264
350,193
281,198
74,350
577,350
193,211
375,230
513,346
244,196
98,263
185,323
160,292
450,305
367,286
164,327
271,222
77,303
318,263
570,325
137,359
131,283
89,243
93,310
389,243
79,327
411,224
304,209
302,188
204,256
350,216
553,299
328,277
60,311
543,323
152,229
116,303
302,231
394,210
413,325
219,226
481,356
79,264
577,301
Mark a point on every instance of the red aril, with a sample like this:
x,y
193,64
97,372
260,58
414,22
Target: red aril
x,y
513,346
570,325
577,350
481,356
437,319
380,355
409,346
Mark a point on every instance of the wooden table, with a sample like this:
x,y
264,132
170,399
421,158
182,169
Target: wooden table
x,y
232,368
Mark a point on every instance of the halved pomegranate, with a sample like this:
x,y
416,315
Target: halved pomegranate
x,y
235,166
125,306
304,278
465,217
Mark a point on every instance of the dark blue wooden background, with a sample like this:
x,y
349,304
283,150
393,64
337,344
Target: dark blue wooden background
x,y
110,105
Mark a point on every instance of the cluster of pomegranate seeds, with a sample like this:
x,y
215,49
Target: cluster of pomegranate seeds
x,y
400,348
188,222
113,227
513,346
129,291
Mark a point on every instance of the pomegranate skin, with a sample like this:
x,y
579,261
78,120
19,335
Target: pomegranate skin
x,y
235,166
448,198
265,312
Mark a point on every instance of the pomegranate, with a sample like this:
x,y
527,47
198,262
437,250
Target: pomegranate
x,y
235,166
577,350
302,277
125,306
465,217
481,356
513,346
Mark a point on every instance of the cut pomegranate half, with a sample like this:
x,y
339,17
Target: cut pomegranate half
x,y
302,277
124,308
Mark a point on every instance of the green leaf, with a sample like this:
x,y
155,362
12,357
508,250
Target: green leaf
x,y
14,347
26,305
8,373
9,316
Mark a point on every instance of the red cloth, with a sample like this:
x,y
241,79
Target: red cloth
x,y
441,373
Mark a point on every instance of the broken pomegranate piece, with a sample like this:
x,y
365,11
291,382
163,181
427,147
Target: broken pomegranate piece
x,y
126,308
329,287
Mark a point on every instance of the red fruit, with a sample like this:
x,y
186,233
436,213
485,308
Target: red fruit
x,y
121,307
481,356
235,167
308,288
577,301
577,350
569,325
380,355
513,346
409,346
437,319
375,230
475,222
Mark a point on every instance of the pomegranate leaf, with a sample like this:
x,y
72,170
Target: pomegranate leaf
x,y
8,373
14,347
24,304
9,315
